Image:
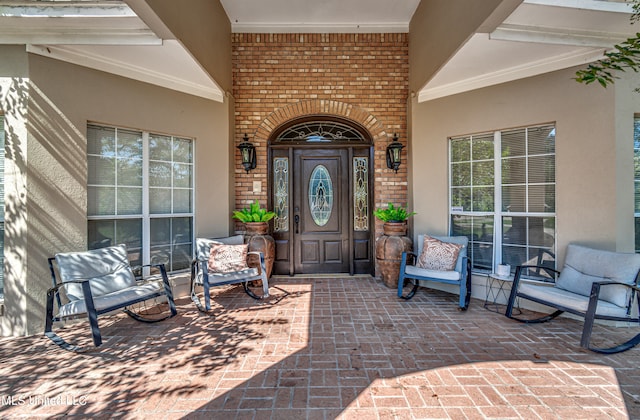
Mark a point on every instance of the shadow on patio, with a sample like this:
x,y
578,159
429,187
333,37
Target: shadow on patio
x,y
344,347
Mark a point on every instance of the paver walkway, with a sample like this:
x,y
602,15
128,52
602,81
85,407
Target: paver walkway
x,y
331,348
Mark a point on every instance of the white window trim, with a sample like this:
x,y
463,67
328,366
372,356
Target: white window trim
x,y
498,214
146,215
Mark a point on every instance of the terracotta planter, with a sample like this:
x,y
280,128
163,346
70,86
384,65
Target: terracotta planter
x,y
256,235
389,249
395,228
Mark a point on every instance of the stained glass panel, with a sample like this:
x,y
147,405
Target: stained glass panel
x,y
281,194
320,195
320,132
360,194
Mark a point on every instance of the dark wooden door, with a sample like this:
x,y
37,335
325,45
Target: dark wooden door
x,y
321,211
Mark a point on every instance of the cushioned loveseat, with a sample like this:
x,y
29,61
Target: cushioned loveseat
x,y
593,284
96,282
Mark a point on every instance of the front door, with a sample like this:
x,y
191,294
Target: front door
x,y
322,200
320,211
320,175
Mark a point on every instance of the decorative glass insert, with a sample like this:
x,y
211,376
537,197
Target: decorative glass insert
x,y
320,132
320,195
360,193
281,194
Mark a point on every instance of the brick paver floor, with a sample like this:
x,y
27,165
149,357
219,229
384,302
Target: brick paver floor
x,y
331,348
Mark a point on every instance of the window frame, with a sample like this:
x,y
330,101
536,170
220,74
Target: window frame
x,y
146,216
498,214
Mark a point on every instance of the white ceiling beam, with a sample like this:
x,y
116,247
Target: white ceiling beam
x,y
76,36
54,22
64,9
556,36
596,5
510,74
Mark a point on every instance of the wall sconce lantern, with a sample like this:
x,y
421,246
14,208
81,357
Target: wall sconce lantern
x,y
394,154
248,154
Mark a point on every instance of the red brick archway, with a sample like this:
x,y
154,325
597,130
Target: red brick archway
x,y
322,107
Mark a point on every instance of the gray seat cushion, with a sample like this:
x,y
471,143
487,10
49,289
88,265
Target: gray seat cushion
x,y
413,272
564,298
116,299
583,266
107,270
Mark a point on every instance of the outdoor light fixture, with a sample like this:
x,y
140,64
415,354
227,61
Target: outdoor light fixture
x,y
394,154
248,154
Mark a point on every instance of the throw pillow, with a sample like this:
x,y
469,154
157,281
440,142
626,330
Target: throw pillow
x,y
227,258
438,255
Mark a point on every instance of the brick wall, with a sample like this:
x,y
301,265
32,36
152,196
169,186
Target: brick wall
x,y
364,77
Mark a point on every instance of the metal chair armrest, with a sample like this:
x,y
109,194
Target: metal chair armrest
x,y
616,283
59,286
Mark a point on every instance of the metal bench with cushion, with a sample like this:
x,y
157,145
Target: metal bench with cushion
x,y
202,274
593,284
97,282
459,272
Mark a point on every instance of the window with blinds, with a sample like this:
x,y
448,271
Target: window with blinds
x,y
502,195
140,193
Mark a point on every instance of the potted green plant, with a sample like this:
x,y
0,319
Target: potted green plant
x,y
393,242
256,221
393,213
394,218
254,214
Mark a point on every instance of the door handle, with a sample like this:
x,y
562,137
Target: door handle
x,y
296,219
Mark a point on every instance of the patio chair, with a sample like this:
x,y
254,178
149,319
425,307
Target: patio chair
x,y
97,282
239,271
457,271
593,284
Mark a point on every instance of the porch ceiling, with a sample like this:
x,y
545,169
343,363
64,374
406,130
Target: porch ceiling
x,y
106,35
538,37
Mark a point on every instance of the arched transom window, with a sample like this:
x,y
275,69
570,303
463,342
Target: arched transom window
x,y
320,132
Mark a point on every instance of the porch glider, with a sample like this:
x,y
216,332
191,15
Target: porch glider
x,y
458,273
593,284
229,264
97,282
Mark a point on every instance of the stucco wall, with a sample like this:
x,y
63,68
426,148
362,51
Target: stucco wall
x,y
51,159
594,152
